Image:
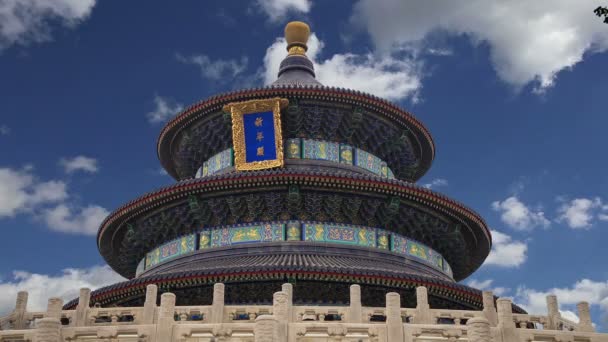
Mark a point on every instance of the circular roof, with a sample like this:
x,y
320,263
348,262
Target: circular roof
x,y
185,139
467,228
132,289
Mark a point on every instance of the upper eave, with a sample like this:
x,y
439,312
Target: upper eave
x,y
215,103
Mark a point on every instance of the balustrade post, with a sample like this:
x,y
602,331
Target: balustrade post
x,y
20,310
553,312
150,304
489,309
217,307
267,329
479,330
423,310
48,330
394,324
506,324
354,309
166,317
288,288
82,310
53,309
584,316
280,310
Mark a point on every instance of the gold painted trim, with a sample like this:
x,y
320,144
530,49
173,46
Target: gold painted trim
x,y
237,110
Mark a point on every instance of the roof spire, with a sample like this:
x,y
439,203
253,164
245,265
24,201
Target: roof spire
x,y
296,68
296,35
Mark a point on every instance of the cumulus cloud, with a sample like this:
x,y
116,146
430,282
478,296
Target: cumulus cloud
x,y
519,216
506,252
437,182
79,163
529,41
48,192
579,213
215,70
382,75
277,10
486,285
85,220
41,287
165,109
4,130
26,21
593,292
20,191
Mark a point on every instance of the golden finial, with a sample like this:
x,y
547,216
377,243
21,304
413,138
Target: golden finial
x,y
296,34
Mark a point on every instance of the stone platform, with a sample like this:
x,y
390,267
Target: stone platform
x,y
283,321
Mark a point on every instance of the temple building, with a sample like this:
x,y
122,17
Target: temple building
x,y
295,216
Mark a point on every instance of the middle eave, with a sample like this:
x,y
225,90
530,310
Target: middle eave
x,y
245,181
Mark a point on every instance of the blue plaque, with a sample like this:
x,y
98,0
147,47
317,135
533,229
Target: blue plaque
x,y
256,133
259,137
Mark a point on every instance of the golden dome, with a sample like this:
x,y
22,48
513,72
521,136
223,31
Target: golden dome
x,y
296,34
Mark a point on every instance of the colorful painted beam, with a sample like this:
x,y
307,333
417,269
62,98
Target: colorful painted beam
x,y
317,232
309,149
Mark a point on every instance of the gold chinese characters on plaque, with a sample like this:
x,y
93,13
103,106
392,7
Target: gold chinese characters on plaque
x,y
256,133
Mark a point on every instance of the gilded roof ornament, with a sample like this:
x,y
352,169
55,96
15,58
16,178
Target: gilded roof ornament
x,y
296,35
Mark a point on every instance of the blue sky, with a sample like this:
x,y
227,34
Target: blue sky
x,y
514,99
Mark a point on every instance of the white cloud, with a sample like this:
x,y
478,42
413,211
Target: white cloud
x,y
436,183
439,52
518,216
41,287
48,192
580,212
25,21
529,41
79,163
4,130
486,285
165,109
382,75
593,292
277,10
81,221
506,252
217,70
20,191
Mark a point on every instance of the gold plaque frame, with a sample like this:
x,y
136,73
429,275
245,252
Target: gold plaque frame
x,y
237,110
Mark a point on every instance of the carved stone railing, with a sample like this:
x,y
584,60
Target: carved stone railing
x,y
525,321
17,335
114,316
283,321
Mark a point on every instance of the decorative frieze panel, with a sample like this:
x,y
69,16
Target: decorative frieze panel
x,y
293,231
383,239
267,232
217,163
170,250
346,154
303,231
320,150
343,234
368,161
293,149
298,148
405,246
